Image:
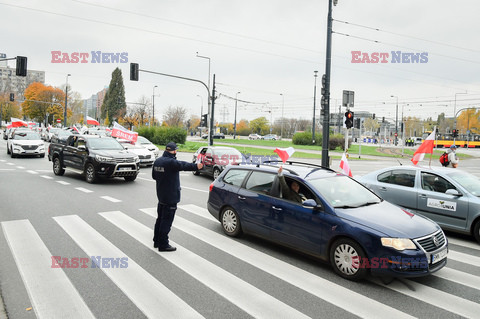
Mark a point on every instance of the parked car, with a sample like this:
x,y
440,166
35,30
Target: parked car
x,y
60,136
215,159
25,142
254,137
51,132
146,156
272,137
450,197
149,145
215,135
341,221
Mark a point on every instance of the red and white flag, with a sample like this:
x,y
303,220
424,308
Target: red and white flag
x,y
121,132
92,121
18,122
284,153
345,167
425,148
75,129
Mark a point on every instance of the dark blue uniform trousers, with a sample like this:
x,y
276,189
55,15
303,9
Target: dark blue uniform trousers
x,y
166,214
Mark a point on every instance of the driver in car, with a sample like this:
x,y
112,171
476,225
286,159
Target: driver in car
x,y
292,192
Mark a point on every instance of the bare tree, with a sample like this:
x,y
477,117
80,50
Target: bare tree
x,y
142,110
175,116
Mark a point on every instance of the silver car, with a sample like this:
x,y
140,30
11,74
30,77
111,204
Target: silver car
x,y
449,196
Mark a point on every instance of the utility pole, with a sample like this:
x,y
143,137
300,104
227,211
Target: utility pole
x,y
314,102
212,120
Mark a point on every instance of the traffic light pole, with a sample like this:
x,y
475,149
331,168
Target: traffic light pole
x,y
326,105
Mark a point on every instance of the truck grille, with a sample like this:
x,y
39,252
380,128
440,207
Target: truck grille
x,y
125,160
432,242
29,147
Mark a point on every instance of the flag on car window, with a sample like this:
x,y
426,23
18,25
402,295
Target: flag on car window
x,y
18,122
121,132
284,153
425,148
345,167
92,121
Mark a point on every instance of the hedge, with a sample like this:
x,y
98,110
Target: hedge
x,y
161,135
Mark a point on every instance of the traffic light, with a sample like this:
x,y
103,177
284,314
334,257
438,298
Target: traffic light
x,y
373,116
455,132
349,119
12,97
203,121
133,71
357,123
21,69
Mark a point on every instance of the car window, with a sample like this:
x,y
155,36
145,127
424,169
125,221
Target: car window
x,y
235,177
435,183
260,182
469,181
398,177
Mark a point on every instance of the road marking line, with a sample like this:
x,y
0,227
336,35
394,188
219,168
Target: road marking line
x,y
63,182
46,177
113,200
460,277
224,283
83,190
435,297
32,172
324,289
195,189
10,163
50,291
145,291
3,160
200,211
43,170
20,167
7,169
146,179
464,243
464,258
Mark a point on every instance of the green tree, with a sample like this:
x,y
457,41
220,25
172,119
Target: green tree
x,y
114,105
259,125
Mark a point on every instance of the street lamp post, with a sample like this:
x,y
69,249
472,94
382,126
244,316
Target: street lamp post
x,y
283,105
396,120
210,132
455,112
201,106
314,100
235,120
153,105
66,103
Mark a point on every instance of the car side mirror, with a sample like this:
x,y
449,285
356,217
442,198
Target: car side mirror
x,y
82,148
312,203
453,192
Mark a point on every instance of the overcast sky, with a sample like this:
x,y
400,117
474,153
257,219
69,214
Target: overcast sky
x,y
267,50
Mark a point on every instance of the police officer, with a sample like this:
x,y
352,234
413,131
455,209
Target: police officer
x,y
166,173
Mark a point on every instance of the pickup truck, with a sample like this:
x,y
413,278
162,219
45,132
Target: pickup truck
x,y
94,157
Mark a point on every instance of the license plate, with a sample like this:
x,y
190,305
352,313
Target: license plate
x,y
439,256
124,168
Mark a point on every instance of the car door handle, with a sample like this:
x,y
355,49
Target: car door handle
x,y
383,189
276,208
422,195
241,197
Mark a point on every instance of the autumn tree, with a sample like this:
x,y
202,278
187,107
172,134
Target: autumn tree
x,y
371,125
143,110
243,128
114,105
469,120
175,116
260,125
9,109
41,100
131,118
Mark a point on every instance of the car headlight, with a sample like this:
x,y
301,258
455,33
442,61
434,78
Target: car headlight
x,y
104,158
137,159
398,243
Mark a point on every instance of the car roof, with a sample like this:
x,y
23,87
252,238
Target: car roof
x,y
306,171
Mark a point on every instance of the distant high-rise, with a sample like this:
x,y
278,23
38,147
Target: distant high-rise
x,y
10,83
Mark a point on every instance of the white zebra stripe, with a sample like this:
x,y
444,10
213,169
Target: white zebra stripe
x,y
51,292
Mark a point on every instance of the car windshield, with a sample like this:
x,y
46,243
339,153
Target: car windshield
x,y
470,182
104,144
143,140
343,192
232,154
27,136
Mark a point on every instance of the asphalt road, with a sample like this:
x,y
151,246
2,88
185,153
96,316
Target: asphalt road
x,y
210,275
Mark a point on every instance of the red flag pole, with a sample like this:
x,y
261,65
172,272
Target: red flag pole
x,y
434,146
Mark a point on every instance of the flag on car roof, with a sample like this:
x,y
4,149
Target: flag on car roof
x,y
425,148
344,166
92,121
18,122
121,132
284,153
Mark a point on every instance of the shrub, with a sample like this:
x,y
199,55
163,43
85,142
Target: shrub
x,y
162,135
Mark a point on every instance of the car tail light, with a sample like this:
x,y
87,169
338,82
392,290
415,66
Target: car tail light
x,y
211,187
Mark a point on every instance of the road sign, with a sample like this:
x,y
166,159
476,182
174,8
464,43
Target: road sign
x,y
348,98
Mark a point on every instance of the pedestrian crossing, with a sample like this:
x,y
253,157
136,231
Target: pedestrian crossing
x,y
156,299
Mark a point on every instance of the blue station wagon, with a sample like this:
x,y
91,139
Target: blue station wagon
x,y
339,221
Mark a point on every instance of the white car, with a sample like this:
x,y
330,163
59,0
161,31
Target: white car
x,y
148,145
146,156
25,143
254,137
